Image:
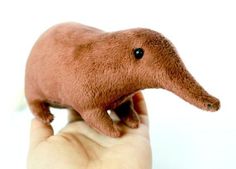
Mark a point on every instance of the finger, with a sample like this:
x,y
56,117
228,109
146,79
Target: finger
x,y
139,103
73,116
140,107
39,132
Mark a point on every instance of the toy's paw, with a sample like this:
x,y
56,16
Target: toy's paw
x,y
45,117
111,130
131,122
41,111
101,121
114,131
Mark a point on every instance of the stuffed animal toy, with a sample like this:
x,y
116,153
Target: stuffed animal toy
x,y
91,71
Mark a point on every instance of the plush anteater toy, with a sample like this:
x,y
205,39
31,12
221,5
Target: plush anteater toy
x,y
91,71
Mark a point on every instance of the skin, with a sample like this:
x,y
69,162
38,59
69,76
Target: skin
x,y
77,146
91,71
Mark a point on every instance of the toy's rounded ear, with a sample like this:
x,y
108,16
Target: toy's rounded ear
x,y
138,53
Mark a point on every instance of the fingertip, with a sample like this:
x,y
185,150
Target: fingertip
x,y
39,131
37,124
139,103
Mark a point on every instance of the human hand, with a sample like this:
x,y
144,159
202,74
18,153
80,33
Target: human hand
x,y
77,146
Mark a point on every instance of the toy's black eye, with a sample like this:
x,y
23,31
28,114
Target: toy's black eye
x,y
138,53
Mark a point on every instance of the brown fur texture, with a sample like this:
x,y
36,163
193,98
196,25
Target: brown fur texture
x,y
91,71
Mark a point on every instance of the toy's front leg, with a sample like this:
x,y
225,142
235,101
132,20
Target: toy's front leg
x,y
127,114
101,121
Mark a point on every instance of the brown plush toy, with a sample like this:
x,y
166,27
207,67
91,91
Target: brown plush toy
x,y
91,71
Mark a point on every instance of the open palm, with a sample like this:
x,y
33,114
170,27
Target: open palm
x,y
77,146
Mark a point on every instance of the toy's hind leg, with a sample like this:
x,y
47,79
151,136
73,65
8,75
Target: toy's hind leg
x,y
41,111
127,114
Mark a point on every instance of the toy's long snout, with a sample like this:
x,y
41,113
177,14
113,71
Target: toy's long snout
x,y
181,82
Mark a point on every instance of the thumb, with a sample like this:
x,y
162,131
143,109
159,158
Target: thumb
x,y
39,132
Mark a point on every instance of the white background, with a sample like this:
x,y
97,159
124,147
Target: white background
x,y
182,136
